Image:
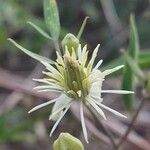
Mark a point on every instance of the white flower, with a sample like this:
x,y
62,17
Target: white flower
x,y
77,80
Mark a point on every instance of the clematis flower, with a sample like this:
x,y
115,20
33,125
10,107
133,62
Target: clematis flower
x,y
76,79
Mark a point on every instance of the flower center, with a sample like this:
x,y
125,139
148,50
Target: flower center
x,y
76,78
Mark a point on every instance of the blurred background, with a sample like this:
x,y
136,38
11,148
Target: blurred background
x,y
108,25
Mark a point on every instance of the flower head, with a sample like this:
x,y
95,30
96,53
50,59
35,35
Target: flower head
x,y
77,79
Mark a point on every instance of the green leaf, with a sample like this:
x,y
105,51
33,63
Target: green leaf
x,y
128,82
39,30
52,18
134,67
31,54
66,141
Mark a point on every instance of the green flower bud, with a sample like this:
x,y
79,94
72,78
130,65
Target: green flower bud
x,y
71,42
66,141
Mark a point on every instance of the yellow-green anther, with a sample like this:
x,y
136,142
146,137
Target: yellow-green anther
x,y
75,85
71,42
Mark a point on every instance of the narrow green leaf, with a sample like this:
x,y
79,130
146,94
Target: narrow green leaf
x,y
52,18
128,82
40,30
82,27
143,61
134,67
66,141
31,54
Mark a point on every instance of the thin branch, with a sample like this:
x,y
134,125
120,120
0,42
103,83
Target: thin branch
x,y
123,139
109,135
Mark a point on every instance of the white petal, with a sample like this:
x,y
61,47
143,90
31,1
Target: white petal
x,y
59,119
98,65
90,64
51,87
111,110
57,111
95,89
42,105
95,52
59,59
73,54
79,93
117,91
46,81
50,90
50,68
63,100
96,76
84,50
41,80
67,51
99,110
99,99
109,71
83,123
